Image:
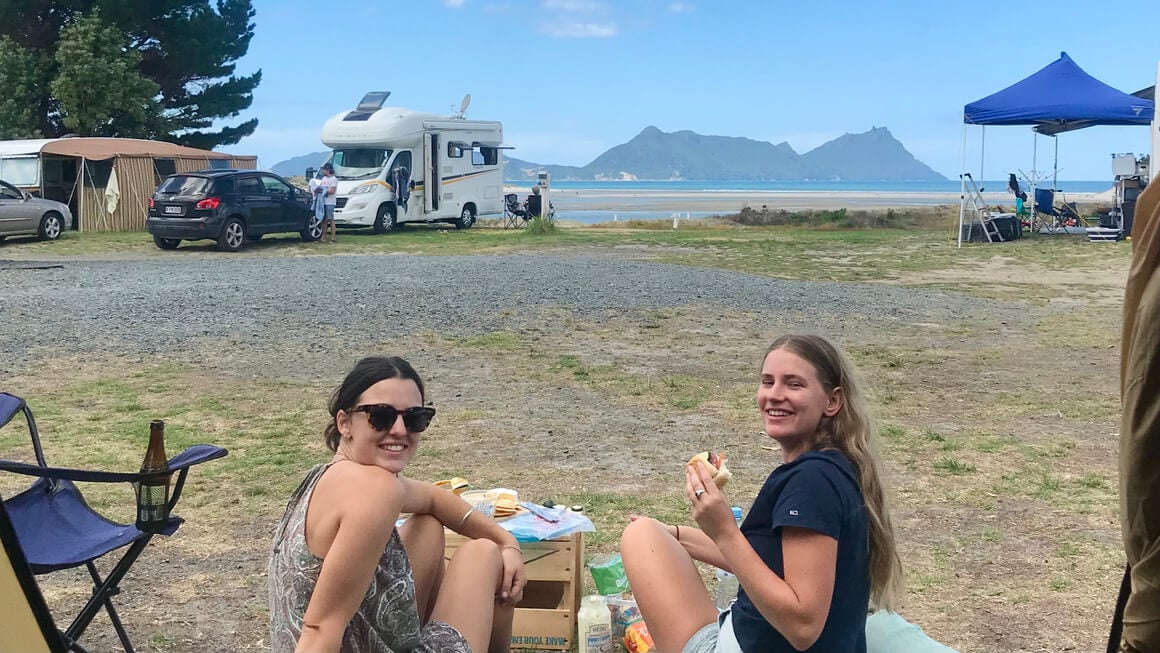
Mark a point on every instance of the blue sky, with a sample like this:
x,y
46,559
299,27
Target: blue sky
x,y
571,78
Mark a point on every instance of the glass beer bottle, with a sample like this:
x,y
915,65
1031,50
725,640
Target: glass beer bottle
x,y
153,491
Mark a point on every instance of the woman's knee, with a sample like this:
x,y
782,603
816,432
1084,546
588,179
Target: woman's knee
x,y
640,536
425,526
640,529
480,552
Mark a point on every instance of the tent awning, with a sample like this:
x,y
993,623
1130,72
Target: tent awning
x,y
1072,125
108,148
23,147
1058,94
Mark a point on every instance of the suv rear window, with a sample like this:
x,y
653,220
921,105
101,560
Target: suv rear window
x,y
185,185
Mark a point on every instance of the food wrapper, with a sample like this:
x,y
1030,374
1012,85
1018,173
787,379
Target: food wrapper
x,y
624,612
608,573
637,639
527,527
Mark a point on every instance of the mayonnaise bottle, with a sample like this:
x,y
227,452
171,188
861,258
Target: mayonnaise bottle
x,y
595,625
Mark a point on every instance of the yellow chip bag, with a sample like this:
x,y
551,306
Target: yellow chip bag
x,y
637,639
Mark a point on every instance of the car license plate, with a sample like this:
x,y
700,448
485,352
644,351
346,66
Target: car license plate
x,y
173,210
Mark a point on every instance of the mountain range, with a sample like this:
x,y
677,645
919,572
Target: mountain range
x,y
873,155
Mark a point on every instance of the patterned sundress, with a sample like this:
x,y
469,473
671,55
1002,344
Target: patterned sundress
x,y
387,621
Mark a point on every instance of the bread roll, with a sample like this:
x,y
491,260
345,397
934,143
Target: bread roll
x,y
715,463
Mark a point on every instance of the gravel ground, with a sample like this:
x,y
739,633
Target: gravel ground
x,y
150,306
310,316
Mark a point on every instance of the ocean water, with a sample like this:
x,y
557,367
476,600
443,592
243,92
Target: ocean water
x,y
949,186
637,207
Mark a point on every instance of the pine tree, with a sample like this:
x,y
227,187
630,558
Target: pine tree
x,y
176,61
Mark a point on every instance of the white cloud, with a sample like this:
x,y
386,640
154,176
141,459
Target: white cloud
x,y
577,19
454,3
578,30
576,6
679,7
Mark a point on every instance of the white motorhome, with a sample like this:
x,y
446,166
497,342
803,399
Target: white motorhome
x,y
397,165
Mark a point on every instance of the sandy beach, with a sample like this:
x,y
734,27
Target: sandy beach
x,y
637,200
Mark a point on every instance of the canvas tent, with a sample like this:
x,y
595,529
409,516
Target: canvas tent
x,y
1060,94
106,181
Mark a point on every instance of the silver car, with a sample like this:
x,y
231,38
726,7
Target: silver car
x,y
21,213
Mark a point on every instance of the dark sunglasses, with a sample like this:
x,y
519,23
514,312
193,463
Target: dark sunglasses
x,y
382,416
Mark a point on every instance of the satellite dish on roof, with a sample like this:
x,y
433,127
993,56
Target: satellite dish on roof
x,y
463,106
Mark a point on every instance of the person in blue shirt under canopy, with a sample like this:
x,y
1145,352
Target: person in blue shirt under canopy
x,y
815,551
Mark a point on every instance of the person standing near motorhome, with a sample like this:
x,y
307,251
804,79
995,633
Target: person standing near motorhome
x,y
329,185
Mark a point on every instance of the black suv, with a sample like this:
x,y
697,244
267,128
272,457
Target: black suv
x,y
229,206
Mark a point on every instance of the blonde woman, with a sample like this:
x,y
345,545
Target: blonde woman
x,y
817,547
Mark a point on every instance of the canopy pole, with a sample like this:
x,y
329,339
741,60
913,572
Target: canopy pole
x,y
963,186
1055,164
1034,178
982,152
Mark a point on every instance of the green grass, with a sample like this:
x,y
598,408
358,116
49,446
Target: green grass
x,y
952,466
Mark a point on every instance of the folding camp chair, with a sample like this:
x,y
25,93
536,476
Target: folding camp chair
x,y
514,215
57,530
25,622
1055,218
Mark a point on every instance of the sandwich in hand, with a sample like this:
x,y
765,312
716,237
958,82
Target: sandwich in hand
x,y
715,463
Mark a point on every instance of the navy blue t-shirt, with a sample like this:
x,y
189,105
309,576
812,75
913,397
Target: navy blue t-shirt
x,y
819,491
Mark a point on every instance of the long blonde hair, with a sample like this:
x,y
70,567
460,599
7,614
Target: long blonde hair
x,y
851,432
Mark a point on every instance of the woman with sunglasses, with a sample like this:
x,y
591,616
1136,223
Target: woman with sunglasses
x,y
344,579
817,547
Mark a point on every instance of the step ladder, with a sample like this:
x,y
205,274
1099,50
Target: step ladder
x,y
982,212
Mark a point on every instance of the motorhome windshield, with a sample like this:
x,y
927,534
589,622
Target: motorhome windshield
x,y
20,170
359,163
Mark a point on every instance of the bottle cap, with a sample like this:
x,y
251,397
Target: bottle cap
x,y
737,514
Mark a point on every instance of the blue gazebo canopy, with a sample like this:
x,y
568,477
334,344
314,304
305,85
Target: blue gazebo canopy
x,y
1056,95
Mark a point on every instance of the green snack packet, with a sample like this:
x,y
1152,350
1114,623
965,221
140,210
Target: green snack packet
x,y
608,572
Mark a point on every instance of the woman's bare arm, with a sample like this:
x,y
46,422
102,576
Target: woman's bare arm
x,y
364,527
797,605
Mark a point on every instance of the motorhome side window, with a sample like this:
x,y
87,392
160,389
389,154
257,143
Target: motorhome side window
x,y
402,161
454,151
485,156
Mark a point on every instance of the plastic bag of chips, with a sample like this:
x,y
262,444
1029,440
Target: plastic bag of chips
x,y
608,573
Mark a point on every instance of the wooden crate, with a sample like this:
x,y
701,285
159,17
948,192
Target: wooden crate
x,y
546,617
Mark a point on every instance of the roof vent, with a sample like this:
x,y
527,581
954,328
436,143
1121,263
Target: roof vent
x,y
371,102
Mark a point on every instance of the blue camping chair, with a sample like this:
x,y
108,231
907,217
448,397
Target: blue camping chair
x,y
58,530
25,622
1058,217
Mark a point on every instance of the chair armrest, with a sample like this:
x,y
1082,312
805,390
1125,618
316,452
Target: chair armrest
x,y
198,453
67,474
195,455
